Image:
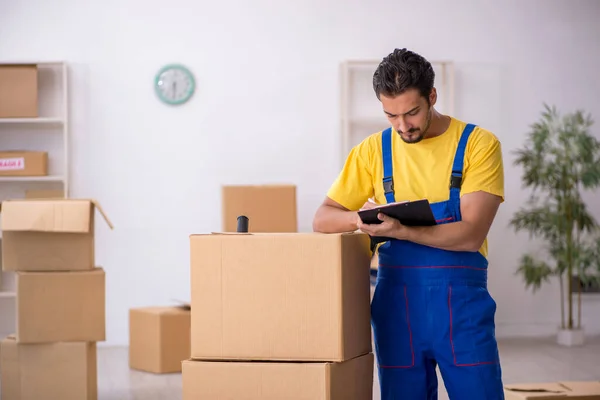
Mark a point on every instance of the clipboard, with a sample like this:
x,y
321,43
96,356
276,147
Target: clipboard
x,y
409,213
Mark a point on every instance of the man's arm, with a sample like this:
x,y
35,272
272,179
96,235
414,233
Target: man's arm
x,y
481,194
478,211
351,190
332,217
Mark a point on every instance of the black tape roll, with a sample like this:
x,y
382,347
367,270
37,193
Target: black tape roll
x,y
242,224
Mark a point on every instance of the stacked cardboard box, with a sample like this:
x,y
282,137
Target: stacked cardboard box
x,y
60,299
280,316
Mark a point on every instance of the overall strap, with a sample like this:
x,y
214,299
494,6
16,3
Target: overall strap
x,y
388,170
457,166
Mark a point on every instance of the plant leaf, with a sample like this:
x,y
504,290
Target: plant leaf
x,y
534,272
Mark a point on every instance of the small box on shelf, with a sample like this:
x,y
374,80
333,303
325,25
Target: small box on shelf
x,y
23,163
18,91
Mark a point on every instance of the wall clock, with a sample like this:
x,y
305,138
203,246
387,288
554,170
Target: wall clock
x,y
174,84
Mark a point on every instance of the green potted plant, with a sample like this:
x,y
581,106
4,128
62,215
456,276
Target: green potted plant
x,y
560,159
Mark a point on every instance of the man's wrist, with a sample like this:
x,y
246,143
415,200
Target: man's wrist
x,y
354,218
406,233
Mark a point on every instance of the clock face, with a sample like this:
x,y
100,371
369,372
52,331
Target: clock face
x,y
174,84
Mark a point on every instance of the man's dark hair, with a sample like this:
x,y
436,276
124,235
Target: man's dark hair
x,y
403,70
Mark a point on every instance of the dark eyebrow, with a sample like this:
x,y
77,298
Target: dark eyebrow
x,y
408,112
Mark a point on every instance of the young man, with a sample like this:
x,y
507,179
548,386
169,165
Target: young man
x,y
431,306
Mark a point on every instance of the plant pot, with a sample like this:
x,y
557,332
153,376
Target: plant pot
x,y
570,337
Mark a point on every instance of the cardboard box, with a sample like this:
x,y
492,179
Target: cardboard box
x,y
568,390
159,338
23,163
61,306
18,91
270,208
49,235
281,296
215,380
44,194
65,371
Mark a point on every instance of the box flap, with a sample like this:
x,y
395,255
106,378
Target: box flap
x,y
162,310
101,211
539,391
184,305
45,215
555,390
275,234
583,388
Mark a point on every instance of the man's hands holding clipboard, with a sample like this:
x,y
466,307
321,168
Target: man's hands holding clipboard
x,y
389,227
394,220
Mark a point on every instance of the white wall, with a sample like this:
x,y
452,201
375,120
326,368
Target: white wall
x,y
267,103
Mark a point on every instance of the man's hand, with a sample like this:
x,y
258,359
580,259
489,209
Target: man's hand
x,y
389,227
369,205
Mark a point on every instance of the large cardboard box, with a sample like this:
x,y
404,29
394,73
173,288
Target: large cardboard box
x,y
49,235
269,208
18,91
568,390
286,296
159,338
23,163
61,306
65,371
216,380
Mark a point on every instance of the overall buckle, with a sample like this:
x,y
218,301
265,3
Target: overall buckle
x,y
455,180
388,185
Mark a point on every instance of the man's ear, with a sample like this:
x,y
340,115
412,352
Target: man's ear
x,y
433,97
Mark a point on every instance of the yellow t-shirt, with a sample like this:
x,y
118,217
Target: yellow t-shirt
x,y
421,170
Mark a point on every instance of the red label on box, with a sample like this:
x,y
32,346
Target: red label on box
x,y
11,164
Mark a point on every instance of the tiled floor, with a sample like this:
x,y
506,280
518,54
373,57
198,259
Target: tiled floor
x,y
524,360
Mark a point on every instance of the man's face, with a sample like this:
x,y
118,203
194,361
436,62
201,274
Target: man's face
x,y
409,113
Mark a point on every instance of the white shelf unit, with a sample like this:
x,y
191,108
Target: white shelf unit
x,y
47,132
8,304
361,114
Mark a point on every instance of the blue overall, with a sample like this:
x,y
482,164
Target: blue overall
x,y
431,307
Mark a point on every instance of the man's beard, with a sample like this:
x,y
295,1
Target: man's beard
x,y
420,133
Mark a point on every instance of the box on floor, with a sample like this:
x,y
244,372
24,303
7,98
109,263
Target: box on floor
x,y
65,371
19,91
568,390
49,234
269,208
280,296
159,338
219,380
